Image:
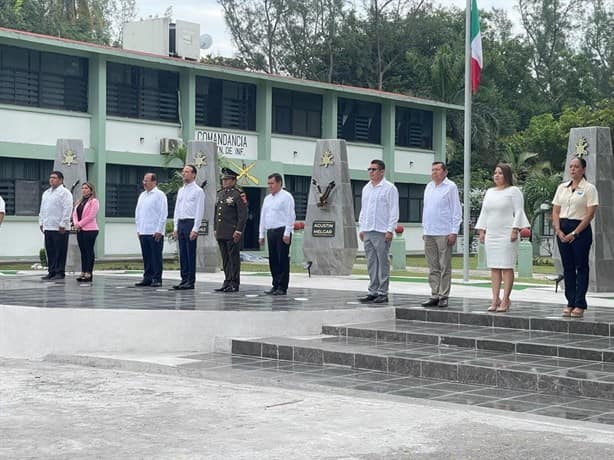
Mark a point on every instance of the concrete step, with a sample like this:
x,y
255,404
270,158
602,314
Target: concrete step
x,y
501,369
527,341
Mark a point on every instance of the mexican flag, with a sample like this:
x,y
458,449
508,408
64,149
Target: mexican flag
x,y
476,47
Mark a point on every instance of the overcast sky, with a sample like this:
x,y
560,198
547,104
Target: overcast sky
x,y
210,16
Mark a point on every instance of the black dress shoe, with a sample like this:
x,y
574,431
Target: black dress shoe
x,y
182,287
368,298
443,302
142,283
279,292
232,289
220,289
381,299
431,302
47,277
270,291
57,278
156,283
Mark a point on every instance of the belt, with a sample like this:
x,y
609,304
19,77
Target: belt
x,y
275,229
185,220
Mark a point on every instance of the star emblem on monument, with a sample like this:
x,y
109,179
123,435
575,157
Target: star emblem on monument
x,y
327,159
69,158
581,147
200,160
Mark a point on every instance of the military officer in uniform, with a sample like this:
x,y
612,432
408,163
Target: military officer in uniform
x,y
230,219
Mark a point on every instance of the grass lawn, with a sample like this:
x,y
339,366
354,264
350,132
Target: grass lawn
x,y
416,268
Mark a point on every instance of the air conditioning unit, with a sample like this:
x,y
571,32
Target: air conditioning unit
x,y
168,145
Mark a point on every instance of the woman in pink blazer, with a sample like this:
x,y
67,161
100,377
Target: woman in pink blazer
x,y
84,221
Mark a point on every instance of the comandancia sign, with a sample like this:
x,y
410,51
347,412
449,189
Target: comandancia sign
x,y
229,144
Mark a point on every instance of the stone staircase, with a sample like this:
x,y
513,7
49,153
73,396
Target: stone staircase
x,y
529,349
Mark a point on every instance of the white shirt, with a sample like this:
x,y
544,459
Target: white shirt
x,y
441,215
151,212
379,211
277,211
574,202
56,208
190,205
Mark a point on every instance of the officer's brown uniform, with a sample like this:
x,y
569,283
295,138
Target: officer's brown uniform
x,y
230,216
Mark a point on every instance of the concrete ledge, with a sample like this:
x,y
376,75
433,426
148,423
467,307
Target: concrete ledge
x,y
31,332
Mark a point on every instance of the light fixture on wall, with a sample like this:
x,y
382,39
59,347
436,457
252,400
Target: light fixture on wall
x,y
411,164
141,140
294,152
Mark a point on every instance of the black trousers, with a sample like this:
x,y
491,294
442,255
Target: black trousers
x,y
187,251
231,262
151,250
56,247
86,240
574,257
279,258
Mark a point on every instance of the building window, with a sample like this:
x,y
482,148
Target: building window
x,y
22,183
138,92
357,186
225,104
411,202
359,121
298,186
296,113
41,79
125,184
414,128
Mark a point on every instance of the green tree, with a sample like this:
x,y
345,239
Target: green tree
x,y
256,28
549,26
538,189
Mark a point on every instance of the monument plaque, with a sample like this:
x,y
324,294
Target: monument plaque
x,y
331,245
204,228
203,155
323,229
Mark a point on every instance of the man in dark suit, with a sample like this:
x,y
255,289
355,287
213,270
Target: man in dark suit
x,y
230,219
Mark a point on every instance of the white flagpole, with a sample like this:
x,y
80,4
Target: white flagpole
x,y
467,145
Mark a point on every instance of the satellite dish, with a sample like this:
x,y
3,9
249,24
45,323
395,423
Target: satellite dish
x,y
205,41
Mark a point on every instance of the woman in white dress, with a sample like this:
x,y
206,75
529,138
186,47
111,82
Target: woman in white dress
x,y
500,221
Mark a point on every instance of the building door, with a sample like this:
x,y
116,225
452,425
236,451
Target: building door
x,y
250,236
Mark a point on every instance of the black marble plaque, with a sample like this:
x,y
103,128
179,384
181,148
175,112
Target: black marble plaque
x,y
323,228
204,227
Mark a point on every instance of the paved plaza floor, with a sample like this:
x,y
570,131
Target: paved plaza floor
x,y
219,405
61,411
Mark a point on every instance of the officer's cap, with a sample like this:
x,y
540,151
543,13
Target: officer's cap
x,y
228,173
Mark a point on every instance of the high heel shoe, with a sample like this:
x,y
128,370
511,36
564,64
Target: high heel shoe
x,y
493,306
81,277
87,278
504,308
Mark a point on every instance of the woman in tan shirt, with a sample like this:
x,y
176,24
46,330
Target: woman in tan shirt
x,y
574,206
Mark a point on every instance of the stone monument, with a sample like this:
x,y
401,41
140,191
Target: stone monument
x,y
203,155
594,144
70,161
330,242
